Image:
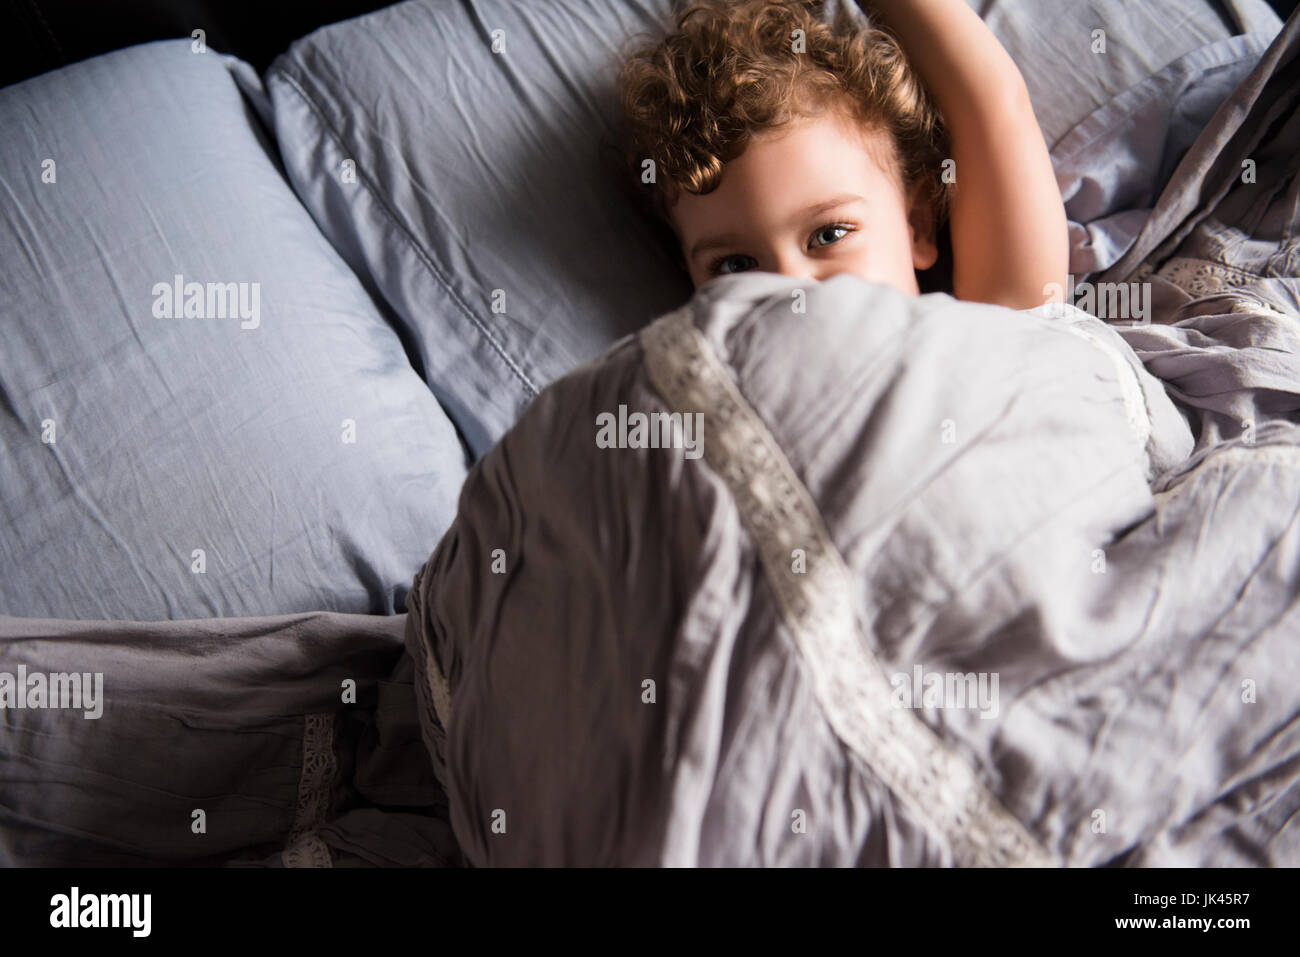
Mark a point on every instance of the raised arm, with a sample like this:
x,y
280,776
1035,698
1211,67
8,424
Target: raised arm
x,y
1008,225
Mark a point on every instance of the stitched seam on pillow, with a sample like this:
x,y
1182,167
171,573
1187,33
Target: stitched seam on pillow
x,y
423,254
1219,55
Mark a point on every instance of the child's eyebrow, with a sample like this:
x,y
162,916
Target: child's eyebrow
x,y
843,200
714,242
729,239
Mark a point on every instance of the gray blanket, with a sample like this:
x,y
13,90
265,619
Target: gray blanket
x,y
917,602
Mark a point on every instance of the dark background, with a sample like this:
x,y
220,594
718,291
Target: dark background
x,y
41,35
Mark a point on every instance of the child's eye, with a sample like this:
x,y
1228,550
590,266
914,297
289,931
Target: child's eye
x,y
827,234
718,266
739,262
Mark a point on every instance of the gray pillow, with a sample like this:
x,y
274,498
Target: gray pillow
x,y
163,465
1119,109
1052,43
465,184
481,207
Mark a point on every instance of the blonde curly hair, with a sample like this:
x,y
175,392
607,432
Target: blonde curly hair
x,y
692,101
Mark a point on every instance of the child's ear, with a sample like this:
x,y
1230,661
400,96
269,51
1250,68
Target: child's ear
x,y
920,217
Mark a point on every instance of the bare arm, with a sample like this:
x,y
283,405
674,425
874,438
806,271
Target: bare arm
x,y
1009,233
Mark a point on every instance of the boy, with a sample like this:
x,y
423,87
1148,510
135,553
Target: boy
x,y
789,145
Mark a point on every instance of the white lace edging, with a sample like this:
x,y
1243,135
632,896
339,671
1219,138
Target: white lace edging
x,y
1205,277
1202,277
438,688
304,847
780,515
434,680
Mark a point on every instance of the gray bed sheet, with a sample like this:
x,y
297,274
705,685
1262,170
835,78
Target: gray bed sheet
x,y
275,741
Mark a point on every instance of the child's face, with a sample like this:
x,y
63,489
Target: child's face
x,y
809,200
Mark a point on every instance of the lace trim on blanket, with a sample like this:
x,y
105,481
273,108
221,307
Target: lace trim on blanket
x,y
304,848
1201,277
439,698
438,688
816,605
1204,277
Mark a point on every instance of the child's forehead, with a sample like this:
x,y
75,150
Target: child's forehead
x,y
784,181
833,122
815,152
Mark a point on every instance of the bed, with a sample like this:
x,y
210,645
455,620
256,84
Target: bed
x,y
300,381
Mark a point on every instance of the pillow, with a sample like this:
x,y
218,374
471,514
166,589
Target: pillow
x,y
160,461
1119,109
1068,80
480,207
451,153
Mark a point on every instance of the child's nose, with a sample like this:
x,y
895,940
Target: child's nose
x,y
797,267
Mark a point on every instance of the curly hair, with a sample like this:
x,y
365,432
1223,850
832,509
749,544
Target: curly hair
x,y
692,101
